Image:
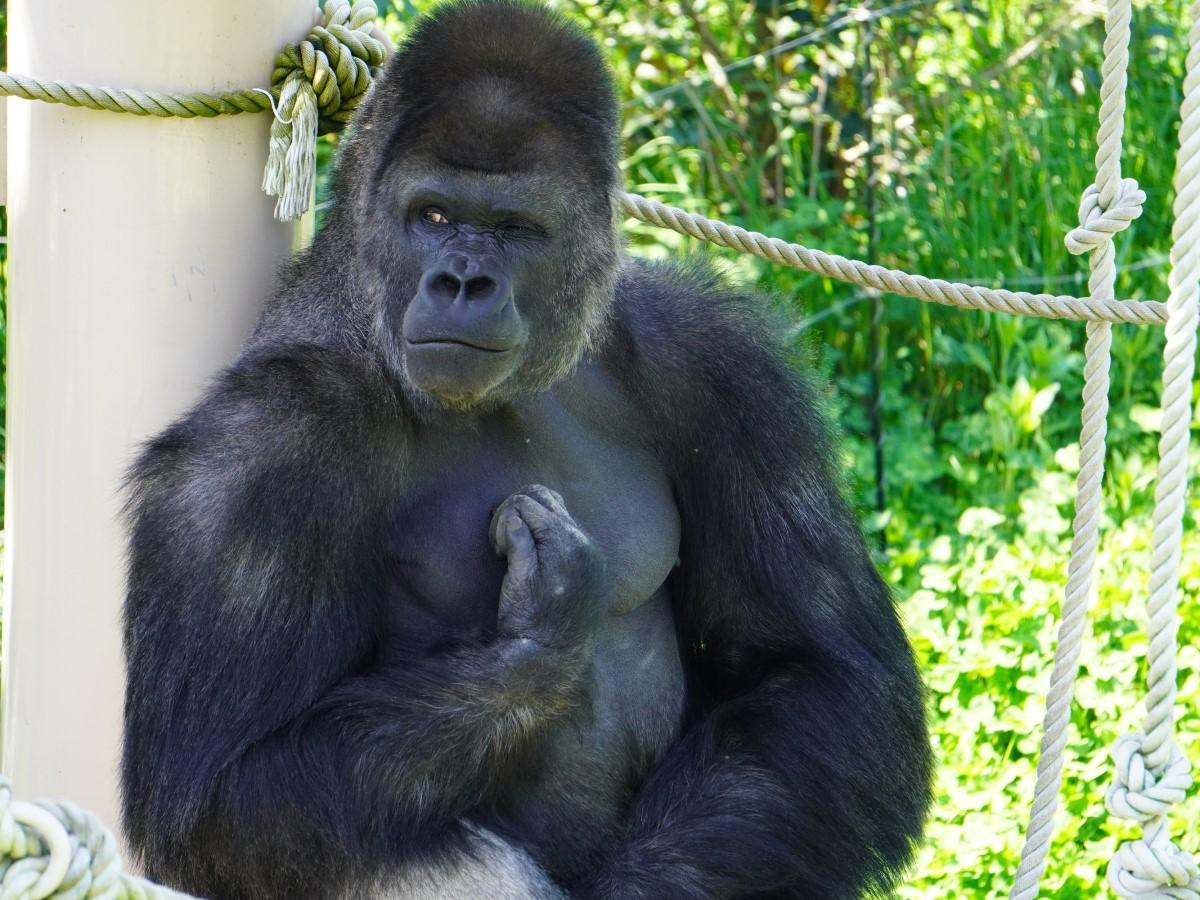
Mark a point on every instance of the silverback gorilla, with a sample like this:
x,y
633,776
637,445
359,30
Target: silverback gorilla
x,y
500,564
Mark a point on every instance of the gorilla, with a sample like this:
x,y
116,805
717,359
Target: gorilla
x,y
500,564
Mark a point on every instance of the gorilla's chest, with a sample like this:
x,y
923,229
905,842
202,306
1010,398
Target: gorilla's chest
x,y
578,440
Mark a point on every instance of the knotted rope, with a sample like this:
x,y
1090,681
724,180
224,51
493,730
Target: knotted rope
x,y
1100,221
1106,208
315,87
56,849
320,82
1151,774
1153,868
1153,865
1140,794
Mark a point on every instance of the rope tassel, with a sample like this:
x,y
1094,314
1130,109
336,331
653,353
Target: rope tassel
x,y
318,83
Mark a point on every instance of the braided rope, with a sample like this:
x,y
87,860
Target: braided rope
x,y
339,59
136,103
1151,772
316,85
57,849
1107,207
893,281
320,82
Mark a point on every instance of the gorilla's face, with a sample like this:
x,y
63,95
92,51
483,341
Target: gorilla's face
x,y
484,172
498,281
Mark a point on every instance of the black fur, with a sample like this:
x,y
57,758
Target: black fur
x,y
334,682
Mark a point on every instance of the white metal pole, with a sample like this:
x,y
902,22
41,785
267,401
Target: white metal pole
x,y
140,250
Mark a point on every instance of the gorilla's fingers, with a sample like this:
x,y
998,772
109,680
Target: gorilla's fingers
x,y
496,529
519,548
540,520
549,498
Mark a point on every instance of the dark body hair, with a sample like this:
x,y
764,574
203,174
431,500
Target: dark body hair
x,y
321,702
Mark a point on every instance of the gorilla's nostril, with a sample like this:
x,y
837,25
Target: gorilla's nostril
x,y
480,288
445,285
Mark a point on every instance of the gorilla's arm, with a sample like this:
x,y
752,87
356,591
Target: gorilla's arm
x,y
266,753
806,767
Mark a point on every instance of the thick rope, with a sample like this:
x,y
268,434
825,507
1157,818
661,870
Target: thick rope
x,y
1077,597
893,281
315,87
1151,772
1106,208
320,82
56,849
136,103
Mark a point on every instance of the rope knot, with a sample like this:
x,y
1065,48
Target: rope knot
x,y
1141,793
319,82
58,850
1098,224
1153,866
338,60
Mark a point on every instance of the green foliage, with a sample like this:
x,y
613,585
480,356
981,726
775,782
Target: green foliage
x,y
980,594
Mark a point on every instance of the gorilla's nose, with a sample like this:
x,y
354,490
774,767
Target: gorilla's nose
x,y
460,278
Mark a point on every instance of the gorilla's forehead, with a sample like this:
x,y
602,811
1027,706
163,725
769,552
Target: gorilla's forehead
x,y
494,127
499,125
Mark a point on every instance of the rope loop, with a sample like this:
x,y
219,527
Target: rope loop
x,y
1154,868
1097,223
320,81
40,858
56,849
1140,792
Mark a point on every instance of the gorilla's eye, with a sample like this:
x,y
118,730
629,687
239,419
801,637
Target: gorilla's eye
x,y
521,228
434,216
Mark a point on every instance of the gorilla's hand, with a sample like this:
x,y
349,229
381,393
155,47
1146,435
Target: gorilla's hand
x,y
555,590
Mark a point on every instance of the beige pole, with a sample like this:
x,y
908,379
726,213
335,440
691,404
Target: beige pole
x,y
139,251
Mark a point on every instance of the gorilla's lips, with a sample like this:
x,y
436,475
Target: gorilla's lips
x,y
461,342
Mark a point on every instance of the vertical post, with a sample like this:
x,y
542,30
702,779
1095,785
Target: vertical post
x,y
140,250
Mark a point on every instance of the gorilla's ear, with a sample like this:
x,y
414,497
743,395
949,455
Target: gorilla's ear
x,y
502,85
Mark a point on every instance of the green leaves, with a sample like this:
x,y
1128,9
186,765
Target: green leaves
x,y
980,594
978,520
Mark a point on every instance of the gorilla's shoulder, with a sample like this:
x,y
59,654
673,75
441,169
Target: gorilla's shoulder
x,y
312,372
269,396
294,386
703,354
690,319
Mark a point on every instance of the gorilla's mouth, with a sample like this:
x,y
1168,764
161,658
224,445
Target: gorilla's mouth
x,y
459,342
